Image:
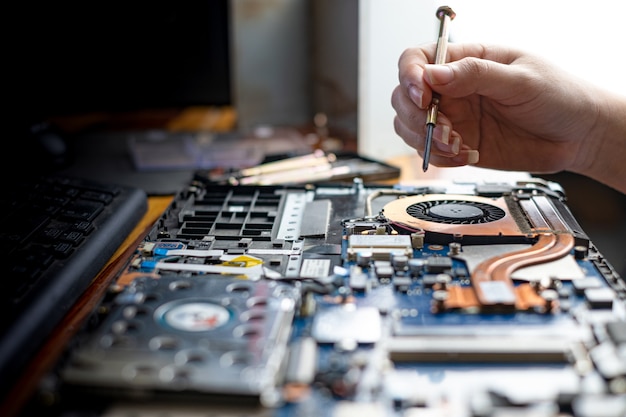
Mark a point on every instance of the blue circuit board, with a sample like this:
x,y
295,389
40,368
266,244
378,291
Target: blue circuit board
x,y
342,300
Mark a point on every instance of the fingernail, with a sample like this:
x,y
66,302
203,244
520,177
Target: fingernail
x,y
449,149
472,157
456,145
416,95
439,74
445,134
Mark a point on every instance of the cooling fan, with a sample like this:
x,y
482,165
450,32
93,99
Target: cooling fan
x,y
446,218
480,220
455,212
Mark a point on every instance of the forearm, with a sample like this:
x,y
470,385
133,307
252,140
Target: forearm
x,y
606,147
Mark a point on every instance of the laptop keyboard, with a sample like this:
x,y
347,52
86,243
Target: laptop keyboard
x,y
56,233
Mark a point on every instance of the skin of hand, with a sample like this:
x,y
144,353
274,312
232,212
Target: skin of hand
x,y
503,108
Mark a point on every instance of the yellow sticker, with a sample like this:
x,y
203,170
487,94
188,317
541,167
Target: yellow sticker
x,y
243,261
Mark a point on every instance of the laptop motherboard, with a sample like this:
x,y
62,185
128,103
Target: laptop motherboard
x,y
455,299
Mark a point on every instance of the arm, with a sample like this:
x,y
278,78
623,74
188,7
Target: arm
x,y
505,109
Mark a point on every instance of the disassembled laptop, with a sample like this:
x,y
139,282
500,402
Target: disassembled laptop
x,y
456,299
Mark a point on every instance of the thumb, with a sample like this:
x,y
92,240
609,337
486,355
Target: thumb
x,y
473,76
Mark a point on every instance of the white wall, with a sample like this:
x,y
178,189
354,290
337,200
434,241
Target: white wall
x,y
585,37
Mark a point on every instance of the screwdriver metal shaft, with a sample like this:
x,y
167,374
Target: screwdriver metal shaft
x,y
445,14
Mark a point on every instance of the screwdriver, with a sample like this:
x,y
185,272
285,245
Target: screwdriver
x,y
445,14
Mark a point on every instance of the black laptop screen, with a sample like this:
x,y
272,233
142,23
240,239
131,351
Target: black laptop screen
x,y
114,56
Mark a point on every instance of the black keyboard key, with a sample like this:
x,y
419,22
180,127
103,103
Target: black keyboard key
x,y
82,210
62,249
17,229
73,238
23,274
51,234
38,257
97,196
83,227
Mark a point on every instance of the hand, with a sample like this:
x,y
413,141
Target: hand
x,y
502,108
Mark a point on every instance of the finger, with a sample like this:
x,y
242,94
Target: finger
x,y
464,157
411,74
410,114
477,76
414,118
445,142
412,63
412,138
491,52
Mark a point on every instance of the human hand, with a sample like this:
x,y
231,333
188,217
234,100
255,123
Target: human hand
x,y
500,108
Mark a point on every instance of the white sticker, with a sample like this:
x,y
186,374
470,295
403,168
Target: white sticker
x,y
315,268
497,292
196,316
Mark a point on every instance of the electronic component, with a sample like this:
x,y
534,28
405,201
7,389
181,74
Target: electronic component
x,y
214,335
317,300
